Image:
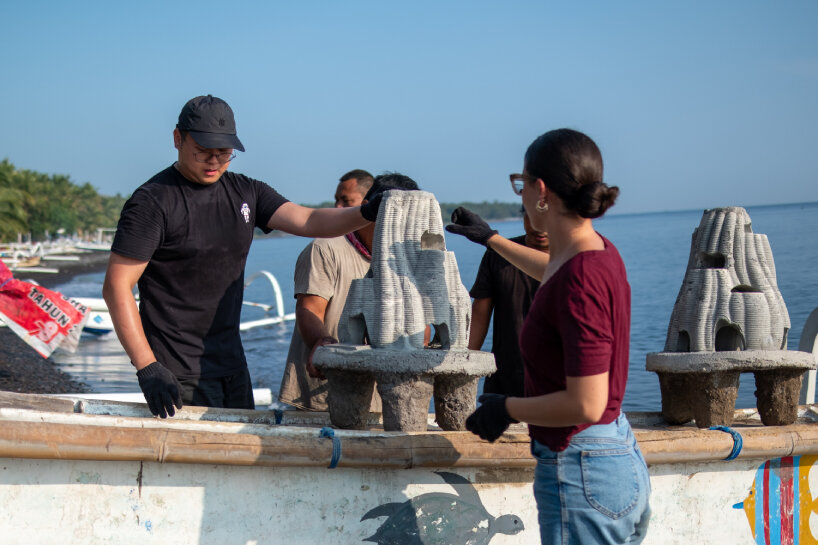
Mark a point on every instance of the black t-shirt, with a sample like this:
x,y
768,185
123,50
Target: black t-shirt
x,y
511,291
196,238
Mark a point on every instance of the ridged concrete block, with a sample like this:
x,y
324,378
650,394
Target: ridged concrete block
x,y
729,299
415,281
729,318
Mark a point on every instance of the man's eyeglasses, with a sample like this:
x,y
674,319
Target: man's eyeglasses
x,y
222,157
518,181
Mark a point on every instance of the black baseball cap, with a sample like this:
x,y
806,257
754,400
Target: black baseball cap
x,y
210,122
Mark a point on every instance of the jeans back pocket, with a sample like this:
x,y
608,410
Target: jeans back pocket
x,y
610,481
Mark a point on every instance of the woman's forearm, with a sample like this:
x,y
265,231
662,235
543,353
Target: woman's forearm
x,y
582,402
530,261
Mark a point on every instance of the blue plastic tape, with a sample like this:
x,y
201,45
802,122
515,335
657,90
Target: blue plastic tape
x,y
336,446
737,441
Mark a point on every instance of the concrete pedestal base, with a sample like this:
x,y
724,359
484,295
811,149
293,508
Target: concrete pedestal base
x,y
676,407
777,392
714,398
349,398
704,385
405,400
406,381
455,400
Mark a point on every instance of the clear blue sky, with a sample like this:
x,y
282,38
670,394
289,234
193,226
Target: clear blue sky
x,y
694,104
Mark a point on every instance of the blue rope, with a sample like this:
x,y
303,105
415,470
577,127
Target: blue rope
x,y
336,445
279,414
737,441
6,282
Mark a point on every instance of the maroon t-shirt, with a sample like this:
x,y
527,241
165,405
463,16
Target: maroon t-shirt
x,y
578,325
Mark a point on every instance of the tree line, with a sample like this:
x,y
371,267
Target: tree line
x,y
38,204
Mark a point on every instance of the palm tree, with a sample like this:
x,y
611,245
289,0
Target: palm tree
x,y
32,202
13,217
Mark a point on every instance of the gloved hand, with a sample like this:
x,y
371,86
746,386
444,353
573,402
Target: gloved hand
x,y
161,388
470,225
369,209
491,418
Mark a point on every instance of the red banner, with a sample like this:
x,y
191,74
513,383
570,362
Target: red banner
x,y
43,318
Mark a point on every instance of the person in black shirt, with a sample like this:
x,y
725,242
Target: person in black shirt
x,y
502,288
183,237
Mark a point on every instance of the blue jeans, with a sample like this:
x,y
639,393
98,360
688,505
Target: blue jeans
x,y
596,490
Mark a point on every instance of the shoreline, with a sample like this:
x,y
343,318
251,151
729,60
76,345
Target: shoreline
x,y
22,369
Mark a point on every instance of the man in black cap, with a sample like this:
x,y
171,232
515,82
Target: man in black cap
x,y
183,237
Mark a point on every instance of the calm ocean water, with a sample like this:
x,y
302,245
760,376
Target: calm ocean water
x,y
655,248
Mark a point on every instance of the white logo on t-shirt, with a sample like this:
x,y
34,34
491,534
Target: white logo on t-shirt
x,y
245,211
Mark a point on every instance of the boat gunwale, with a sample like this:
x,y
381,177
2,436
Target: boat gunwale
x,y
46,427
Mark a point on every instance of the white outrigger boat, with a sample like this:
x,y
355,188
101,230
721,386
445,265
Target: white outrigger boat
x,y
101,471
100,323
98,471
94,471
99,320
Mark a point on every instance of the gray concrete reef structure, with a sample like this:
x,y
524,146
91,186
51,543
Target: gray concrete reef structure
x,y
729,318
414,283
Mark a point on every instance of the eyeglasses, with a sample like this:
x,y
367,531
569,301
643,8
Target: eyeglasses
x,y
518,181
222,158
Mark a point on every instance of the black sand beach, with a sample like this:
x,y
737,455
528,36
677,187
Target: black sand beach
x,y
22,369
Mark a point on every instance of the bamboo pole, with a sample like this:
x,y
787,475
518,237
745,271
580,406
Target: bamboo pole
x,y
45,440
41,427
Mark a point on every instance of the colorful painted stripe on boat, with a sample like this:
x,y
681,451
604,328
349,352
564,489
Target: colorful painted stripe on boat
x,y
781,502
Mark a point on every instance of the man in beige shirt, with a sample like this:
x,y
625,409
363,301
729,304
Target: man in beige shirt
x,y
323,273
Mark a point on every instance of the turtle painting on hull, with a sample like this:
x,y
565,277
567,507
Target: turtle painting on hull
x,y
441,519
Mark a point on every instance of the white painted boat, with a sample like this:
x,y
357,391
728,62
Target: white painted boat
x,y
102,472
275,311
101,243
100,323
24,263
262,397
99,320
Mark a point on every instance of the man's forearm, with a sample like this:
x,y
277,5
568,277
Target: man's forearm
x,y
310,326
334,222
128,327
317,222
481,310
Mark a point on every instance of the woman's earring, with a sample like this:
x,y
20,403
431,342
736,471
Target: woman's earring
x,y
542,206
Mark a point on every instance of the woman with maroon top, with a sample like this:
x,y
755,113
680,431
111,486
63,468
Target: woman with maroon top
x,y
591,483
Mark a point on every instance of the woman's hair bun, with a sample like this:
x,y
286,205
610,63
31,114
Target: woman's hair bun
x,y
592,199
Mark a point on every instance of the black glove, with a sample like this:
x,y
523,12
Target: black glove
x,y
491,418
161,388
369,209
470,225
